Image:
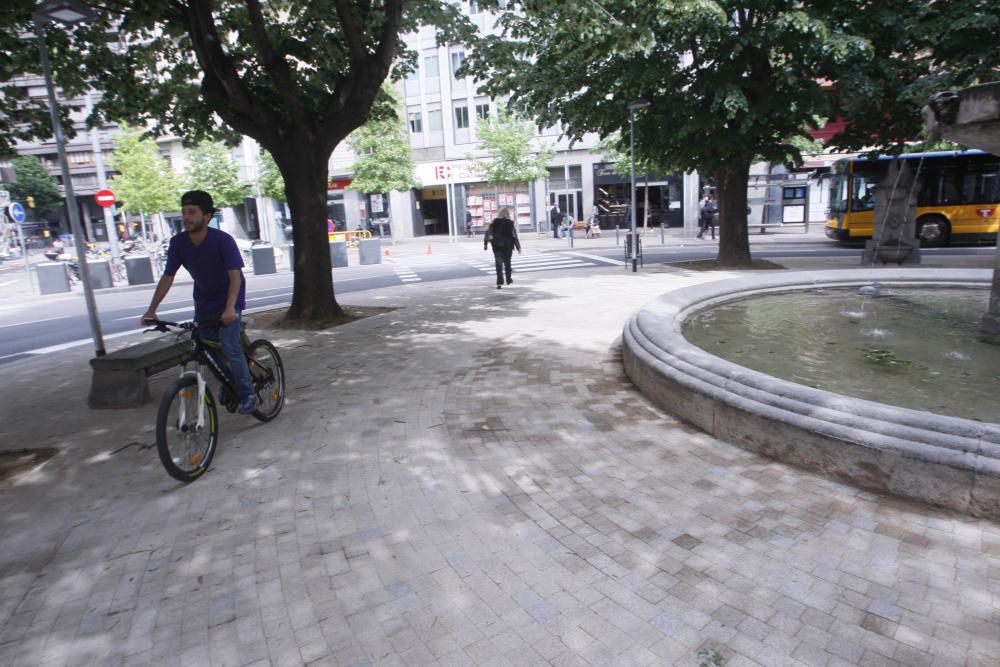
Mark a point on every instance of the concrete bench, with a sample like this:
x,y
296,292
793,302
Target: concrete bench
x,y
119,378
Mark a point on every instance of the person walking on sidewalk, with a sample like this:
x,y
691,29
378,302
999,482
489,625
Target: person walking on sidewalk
x,y
555,218
502,233
214,261
706,215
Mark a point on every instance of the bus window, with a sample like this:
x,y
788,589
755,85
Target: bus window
x,y
983,187
863,191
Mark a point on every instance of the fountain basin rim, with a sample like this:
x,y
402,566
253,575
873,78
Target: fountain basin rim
x,y
714,393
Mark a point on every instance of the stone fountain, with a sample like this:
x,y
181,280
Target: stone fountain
x,y
971,117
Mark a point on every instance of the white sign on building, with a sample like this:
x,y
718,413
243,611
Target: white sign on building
x,y
454,171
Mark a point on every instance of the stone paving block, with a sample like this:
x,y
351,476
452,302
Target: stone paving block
x,y
591,531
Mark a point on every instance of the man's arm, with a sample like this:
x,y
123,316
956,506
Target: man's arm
x,y
162,288
235,282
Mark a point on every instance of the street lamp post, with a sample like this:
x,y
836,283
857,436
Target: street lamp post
x,y
68,12
632,106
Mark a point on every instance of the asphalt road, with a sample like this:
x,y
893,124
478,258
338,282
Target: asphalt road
x,y
41,325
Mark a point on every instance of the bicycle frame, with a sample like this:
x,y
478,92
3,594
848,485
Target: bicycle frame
x,y
203,354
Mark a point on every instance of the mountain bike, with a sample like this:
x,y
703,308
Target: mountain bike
x,y
187,424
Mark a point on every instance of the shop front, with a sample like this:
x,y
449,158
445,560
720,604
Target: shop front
x,y
452,189
659,199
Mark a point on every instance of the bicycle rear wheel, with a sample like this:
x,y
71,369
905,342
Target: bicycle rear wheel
x,y
268,375
185,448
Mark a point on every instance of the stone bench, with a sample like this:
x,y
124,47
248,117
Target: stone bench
x,y
119,378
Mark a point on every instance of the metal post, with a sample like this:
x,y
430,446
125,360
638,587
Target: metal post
x,y
71,210
631,139
24,258
102,183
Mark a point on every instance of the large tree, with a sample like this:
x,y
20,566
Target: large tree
x,y
730,81
35,181
296,76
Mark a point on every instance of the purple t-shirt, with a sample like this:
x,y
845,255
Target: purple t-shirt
x,y
209,264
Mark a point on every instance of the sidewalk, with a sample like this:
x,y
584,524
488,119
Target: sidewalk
x,y
468,479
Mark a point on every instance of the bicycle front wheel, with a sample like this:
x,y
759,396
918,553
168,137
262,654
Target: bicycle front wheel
x,y
268,375
186,437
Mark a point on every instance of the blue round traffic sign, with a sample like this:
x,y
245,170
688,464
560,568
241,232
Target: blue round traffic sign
x,y
16,212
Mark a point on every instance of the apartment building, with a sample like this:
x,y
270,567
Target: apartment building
x,y
443,112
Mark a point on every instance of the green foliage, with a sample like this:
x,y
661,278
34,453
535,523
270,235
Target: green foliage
x,y
145,183
385,162
34,180
271,182
510,157
180,65
211,168
725,80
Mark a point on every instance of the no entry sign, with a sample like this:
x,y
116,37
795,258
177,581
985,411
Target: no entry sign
x,y
105,198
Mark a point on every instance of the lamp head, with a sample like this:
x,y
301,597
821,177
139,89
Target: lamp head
x,y
638,104
67,12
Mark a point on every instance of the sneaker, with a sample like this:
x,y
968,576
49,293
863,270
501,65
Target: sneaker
x,y
499,286
248,405
509,281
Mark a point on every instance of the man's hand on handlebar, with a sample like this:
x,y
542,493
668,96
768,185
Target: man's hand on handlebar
x,y
147,318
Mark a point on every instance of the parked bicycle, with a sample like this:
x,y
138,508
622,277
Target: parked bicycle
x,y
187,424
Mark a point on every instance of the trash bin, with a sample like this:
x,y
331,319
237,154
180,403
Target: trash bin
x,y
52,278
139,269
338,254
99,271
263,259
370,251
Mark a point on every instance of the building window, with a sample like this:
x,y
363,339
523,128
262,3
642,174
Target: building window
x,y
483,110
461,118
457,58
80,158
431,67
434,120
416,124
413,75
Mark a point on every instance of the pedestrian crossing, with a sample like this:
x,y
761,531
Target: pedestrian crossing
x,y
406,274
534,263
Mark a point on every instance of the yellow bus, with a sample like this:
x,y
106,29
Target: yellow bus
x,y
958,197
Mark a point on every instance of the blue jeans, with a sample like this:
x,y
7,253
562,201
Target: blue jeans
x,y
232,348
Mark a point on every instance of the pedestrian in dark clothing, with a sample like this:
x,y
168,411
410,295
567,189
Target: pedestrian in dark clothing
x,y
555,217
503,235
468,223
706,215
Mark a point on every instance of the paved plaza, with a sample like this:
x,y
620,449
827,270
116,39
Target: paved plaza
x,y
467,478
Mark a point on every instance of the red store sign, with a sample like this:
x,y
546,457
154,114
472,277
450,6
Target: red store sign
x,y
337,183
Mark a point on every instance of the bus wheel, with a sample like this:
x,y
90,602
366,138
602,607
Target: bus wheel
x,y
932,230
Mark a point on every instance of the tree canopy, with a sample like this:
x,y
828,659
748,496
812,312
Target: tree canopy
x,y
385,161
34,180
510,156
145,183
297,77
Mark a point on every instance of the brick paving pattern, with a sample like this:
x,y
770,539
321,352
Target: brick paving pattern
x,y
469,479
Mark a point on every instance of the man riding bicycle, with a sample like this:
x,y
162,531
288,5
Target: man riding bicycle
x,y
214,261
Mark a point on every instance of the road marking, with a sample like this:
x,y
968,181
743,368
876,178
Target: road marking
x,y
47,319
596,258
9,282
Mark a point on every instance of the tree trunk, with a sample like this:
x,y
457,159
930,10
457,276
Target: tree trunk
x,y
305,174
731,191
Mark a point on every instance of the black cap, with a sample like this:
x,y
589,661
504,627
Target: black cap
x,y
199,198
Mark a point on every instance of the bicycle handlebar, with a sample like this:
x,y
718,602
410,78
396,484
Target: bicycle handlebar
x,y
164,326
